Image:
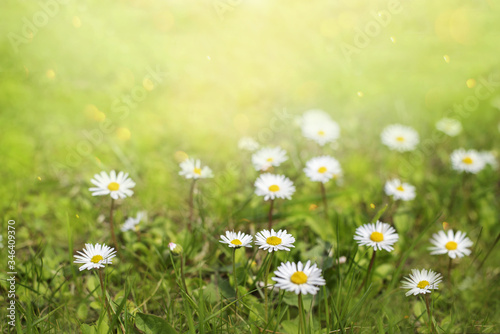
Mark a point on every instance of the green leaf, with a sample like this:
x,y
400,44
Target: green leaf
x,y
291,326
151,324
87,329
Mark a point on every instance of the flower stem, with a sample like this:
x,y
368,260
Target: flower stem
x,y
266,290
489,251
370,266
270,215
429,314
191,204
105,299
111,224
325,203
449,270
183,277
301,315
235,286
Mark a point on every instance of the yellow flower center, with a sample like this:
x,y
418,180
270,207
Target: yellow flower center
x,y
274,188
299,277
377,237
236,242
197,171
273,241
96,259
113,186
321,170
422,284
269,159
467,160
400,188
451,245
401,139
321,132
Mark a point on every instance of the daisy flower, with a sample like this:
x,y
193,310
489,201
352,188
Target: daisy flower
x,y
455,245
191,169
399,190
470,161
421,282
95,257
248,144
322,169
236,240
299,278
317,125
400,138
449,126
273,186
274,241
379,236
267,157
132,222
117,186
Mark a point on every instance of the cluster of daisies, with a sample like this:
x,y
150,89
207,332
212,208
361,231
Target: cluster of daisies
x,y
289,276
382,236
316,125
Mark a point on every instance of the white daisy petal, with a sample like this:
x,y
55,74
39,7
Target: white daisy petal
x,y
273,186
469,161
379,236
455,245
399,190
191,169
421,282
317,125
93,257
400,138
272,241
323,169
268,157
116,187
295,278
236,240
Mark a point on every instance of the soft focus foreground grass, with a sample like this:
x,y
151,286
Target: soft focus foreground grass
x,y
247,71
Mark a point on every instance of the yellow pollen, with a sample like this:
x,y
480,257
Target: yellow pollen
x,y
299,277
400,139
422,284
377,237
96,259
113,186
273,241
321,170
236,242
274,188
269,159
321,132
400,188
467,160
451,245
197,171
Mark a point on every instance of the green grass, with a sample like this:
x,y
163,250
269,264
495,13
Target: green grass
x,y
247,71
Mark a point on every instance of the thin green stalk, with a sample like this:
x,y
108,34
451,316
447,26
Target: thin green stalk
x,y
489,251
266,290
372,261
105,299
325,202
449,270
270,215
191,205
183,277
429,313
235,285
301,315
111,224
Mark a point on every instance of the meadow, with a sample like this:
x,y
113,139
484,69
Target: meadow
x,y
143,86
